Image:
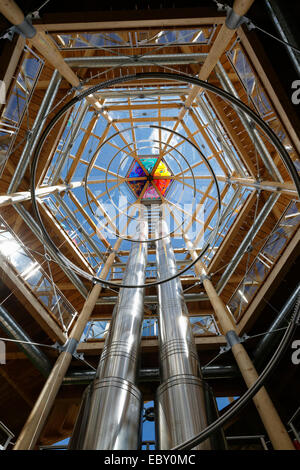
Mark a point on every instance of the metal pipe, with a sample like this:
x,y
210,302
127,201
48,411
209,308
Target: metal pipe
x,y
29,220
180,370
72,137
134,61
36,132
116,402
153,299
262,351
247,123
14,198
284,31
235,163
14,331
256,226
84,377
217,439
81,229
79,431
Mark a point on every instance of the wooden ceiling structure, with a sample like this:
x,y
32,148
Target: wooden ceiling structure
x,y
257,182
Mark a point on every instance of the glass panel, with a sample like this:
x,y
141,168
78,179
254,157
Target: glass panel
x,y
35,277
17,102
265,260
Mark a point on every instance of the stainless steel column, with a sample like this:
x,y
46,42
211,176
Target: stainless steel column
x,y
180,400
116,403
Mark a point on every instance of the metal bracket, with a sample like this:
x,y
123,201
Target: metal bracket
x,y
204,277
25,28
232,338
233,20
70,347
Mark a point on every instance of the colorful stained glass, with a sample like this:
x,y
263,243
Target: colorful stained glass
x,y
162,170
149,163
136,170
162,185
137,186
151,193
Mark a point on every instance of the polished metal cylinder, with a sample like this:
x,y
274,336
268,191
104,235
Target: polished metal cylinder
x,y
114,416
79,431
180,399
115,412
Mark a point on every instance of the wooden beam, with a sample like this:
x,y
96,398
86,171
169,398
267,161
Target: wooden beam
x,y
289,119
286,258
234,137
30,302
268,413
65,239
230,236
134,20
36,421
10,70
17,388
82,145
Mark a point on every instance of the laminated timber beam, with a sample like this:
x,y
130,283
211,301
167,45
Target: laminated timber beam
x,y
230,236
277,433
225,34
30,302
286,112
39,414
7,70
288,256
232,133
129,20
43,44
21,196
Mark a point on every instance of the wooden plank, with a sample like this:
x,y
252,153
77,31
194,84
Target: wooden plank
x,y
267,76
129,20
270,284
202,343
30,302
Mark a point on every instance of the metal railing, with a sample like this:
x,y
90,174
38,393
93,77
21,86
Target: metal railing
x,y
202,325
35,277
257,94
265,260
17,103
5,436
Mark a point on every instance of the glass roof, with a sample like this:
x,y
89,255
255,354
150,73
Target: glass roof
x,y
150,170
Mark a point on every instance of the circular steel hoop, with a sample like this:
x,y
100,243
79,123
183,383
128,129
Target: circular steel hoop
x,y
93,159
139,76
291,170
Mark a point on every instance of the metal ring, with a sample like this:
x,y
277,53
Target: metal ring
x,y
128,216
168,76
127,155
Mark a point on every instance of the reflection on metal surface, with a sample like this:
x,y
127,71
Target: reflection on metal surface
x,y
180,398
116,403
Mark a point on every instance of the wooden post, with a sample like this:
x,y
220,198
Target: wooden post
x,y
45,46
37,418
269,416
13,198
